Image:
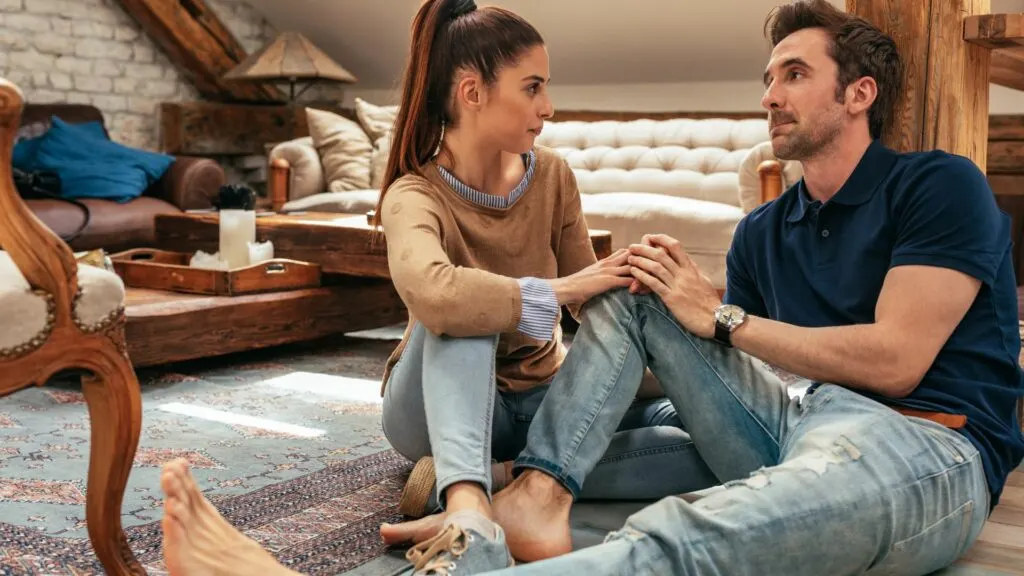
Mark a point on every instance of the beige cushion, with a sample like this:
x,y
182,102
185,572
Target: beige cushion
x,y
704,228
344,150
25,311
351,202
102,294
377,121
750,181
379,160
306,174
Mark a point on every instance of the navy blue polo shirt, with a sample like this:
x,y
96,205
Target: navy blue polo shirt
x,y
813,264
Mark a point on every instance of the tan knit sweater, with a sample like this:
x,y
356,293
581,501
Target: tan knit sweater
x,y
455,264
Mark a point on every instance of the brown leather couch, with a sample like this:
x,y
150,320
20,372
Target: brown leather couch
x,y
189,184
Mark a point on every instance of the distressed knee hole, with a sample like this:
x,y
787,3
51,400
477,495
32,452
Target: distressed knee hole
x,y
817,461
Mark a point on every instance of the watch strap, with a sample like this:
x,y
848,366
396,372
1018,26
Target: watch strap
x,y
722,334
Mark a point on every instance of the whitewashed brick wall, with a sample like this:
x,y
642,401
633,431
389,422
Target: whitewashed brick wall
x,y
91,51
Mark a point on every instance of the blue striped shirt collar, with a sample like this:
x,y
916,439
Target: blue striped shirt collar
x,y
491,200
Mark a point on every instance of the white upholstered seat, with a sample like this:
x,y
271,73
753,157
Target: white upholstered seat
x,y
26,312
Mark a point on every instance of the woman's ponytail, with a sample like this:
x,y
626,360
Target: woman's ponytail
x,y
447,36
418,124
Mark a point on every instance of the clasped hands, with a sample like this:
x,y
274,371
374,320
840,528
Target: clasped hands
x,y
659,264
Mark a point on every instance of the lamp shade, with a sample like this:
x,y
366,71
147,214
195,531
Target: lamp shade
x,y
290,56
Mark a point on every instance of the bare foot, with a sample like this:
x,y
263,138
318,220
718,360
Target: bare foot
x,y
198,541
414,531
534,512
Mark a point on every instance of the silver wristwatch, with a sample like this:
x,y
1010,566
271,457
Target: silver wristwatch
x,y
728,317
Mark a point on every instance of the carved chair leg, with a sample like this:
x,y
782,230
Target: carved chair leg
x,y
115,413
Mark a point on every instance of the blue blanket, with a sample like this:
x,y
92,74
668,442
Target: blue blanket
x,y
91,165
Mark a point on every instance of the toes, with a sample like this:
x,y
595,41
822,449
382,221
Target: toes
x,y
184,483
395,533
173,487
415,531
176,510
188,482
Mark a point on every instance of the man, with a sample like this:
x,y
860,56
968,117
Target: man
x,y
883,279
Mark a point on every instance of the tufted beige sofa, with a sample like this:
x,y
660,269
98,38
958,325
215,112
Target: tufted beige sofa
x,y
680,177
691,179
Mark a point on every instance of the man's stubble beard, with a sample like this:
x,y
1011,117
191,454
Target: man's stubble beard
x,y
802,144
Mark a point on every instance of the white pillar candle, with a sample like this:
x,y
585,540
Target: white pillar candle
x,y
260,252
237,229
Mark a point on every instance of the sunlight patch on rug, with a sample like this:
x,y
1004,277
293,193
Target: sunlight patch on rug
x,y
342,388
241,420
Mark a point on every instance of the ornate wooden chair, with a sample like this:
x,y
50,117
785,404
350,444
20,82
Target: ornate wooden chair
x,y
60,316
771,174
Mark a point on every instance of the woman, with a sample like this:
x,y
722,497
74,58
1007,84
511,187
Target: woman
x,y
486,240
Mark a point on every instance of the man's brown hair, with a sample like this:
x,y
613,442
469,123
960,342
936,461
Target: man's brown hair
x,y
858,48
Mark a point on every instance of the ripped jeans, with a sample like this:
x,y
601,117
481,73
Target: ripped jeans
x,y
827,483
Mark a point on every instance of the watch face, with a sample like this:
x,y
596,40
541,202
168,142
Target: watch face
x,y
731,315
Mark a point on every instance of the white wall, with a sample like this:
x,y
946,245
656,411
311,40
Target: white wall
x,y
689,96
1002,100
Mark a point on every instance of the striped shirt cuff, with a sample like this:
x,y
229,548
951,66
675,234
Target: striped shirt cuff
x,y
540,308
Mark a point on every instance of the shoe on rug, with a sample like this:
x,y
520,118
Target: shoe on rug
x,y
458,550
419,497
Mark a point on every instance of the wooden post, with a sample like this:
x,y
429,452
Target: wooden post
x,y
945,100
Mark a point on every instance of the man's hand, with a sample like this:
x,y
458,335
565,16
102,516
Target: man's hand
x,y
637,287
667,270
601,276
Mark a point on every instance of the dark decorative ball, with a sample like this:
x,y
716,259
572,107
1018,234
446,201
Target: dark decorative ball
x,y
235,197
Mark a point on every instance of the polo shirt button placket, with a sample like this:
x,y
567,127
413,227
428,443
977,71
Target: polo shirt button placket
x,y
824,233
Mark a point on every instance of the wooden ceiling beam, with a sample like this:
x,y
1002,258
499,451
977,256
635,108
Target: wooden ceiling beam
x,y
200,47
1008,67
1004,35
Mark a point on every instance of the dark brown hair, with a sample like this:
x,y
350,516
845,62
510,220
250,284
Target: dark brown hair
x,y
447,36
858,48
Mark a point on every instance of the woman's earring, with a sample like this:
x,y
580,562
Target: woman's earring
x,y
439,141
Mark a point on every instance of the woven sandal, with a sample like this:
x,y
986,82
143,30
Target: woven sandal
x,y
418,488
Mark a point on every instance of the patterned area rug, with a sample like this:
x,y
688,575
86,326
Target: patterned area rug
x,y
285,442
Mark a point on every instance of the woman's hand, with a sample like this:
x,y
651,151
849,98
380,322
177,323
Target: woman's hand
x,y
601,276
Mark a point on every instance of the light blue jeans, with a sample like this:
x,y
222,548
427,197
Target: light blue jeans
x,y
831,483
441,400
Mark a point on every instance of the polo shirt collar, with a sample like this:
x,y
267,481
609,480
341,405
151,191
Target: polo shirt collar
x,y
874,166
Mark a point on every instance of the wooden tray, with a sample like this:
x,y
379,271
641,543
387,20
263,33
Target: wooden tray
x,y
163,270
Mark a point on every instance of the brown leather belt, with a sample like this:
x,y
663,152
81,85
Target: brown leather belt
x,y
954,421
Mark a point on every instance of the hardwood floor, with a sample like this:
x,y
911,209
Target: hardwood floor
x,y
1000,548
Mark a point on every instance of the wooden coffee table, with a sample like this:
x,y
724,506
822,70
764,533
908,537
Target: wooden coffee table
x,y
356,294
340,243
167,327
